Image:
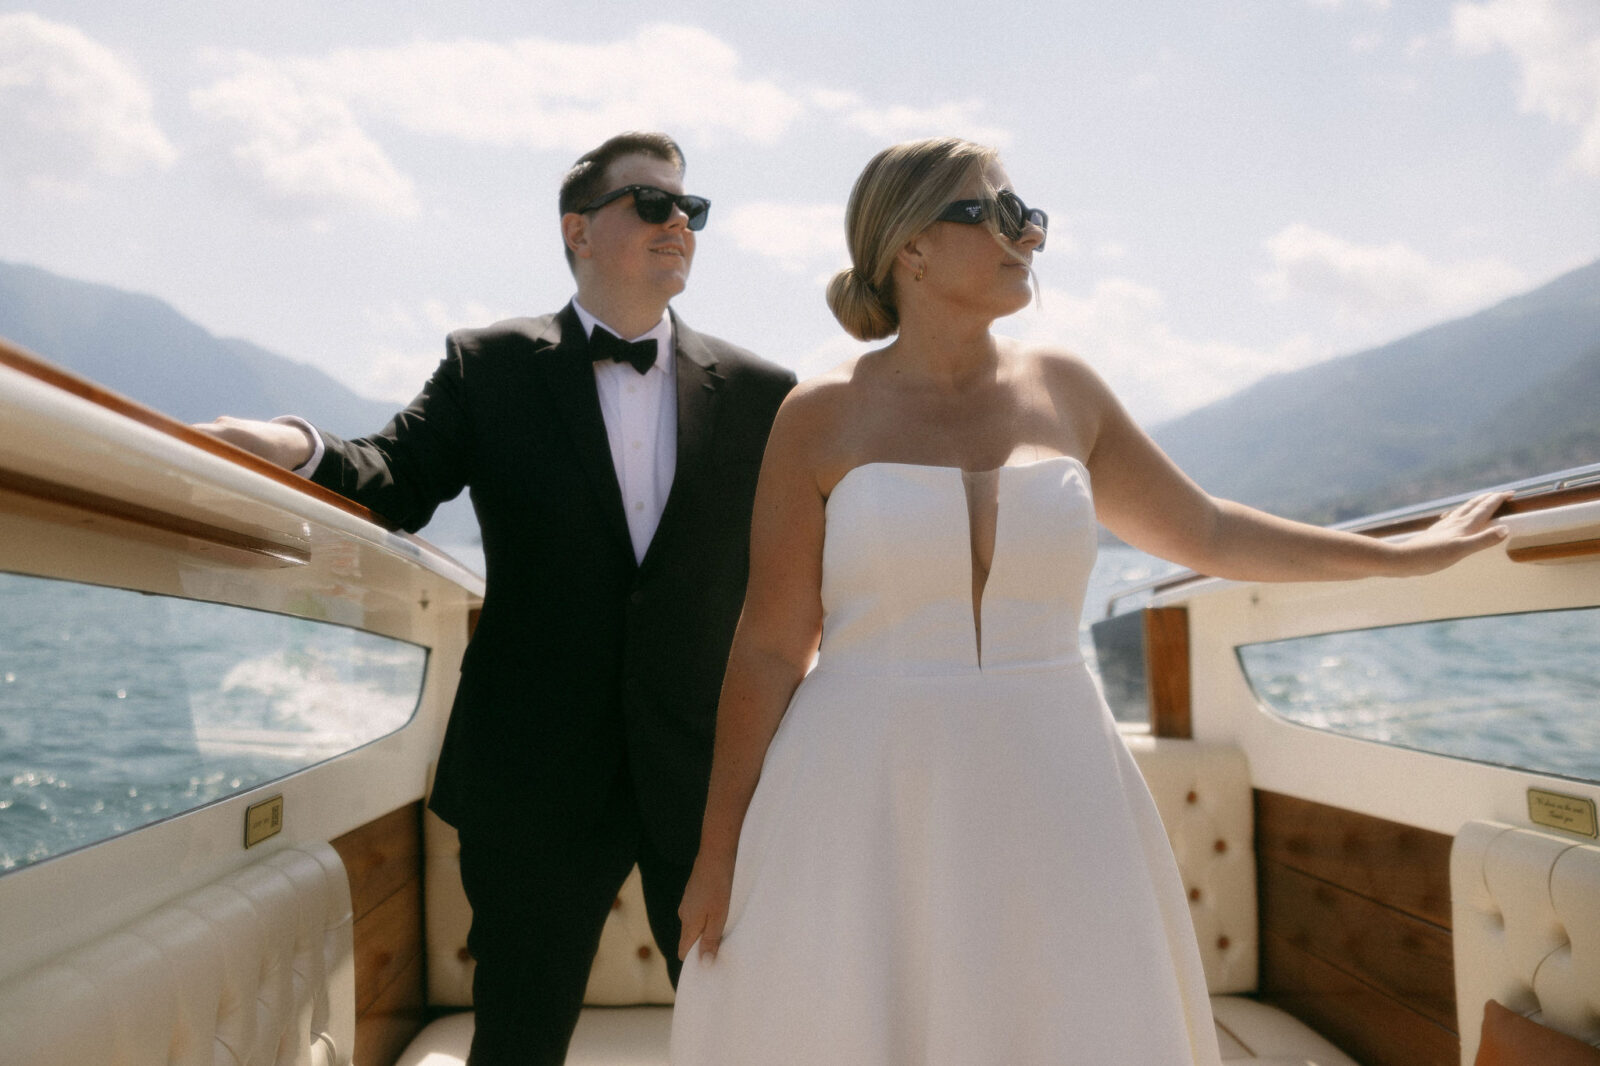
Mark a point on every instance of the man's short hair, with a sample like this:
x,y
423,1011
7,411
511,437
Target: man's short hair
x,y
586,179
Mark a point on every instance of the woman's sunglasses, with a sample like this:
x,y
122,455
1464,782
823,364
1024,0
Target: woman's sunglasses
x,y
655,205
1011,214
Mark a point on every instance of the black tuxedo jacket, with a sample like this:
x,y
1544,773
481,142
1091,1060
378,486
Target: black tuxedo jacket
x,y
585,664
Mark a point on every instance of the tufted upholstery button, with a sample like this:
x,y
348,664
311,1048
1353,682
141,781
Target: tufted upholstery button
x,y
616,904
644,952
463,955
1194,895
1222,943
1220,846
1192,798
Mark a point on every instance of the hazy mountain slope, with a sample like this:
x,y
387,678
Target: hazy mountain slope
x,y
143,348
1553,426
1342,429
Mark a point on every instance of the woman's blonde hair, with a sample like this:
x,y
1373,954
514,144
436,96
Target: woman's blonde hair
x,y
898,195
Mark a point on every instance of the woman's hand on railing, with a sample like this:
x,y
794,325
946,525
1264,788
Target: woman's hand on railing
x,y
1456,534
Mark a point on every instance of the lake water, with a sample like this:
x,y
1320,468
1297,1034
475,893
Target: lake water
x,y
119,709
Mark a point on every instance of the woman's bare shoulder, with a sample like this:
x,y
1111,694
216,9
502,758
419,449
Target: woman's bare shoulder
x,y
813,415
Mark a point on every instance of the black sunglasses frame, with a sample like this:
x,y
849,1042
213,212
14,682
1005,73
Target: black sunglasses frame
x,y
654,205
1012,215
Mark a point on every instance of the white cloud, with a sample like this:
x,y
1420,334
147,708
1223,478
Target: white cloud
x,y
549,94
407,342
69,105
1120,328
299,149
1367,281
1556,43
800,238
305,129
900,122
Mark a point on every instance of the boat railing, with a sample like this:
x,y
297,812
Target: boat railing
x,y
1578,484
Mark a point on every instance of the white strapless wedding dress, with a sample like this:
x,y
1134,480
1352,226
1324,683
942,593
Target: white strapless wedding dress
x,y
951,858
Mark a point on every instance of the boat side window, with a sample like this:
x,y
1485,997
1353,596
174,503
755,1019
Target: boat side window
x,y
1518,690
120,708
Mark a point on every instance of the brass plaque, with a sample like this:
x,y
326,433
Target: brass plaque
x,y
264,820
1571,814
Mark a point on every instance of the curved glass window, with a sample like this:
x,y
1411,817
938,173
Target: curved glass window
x,y
1519,690
118,708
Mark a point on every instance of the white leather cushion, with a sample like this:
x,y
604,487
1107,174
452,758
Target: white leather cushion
x,y
606,1036
638,1036
1203,794
1261,1035
255,968
1526,917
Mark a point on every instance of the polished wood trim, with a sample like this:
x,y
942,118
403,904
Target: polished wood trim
x,y
389,942
1541,553
1373,1028
39,369
381,856
1402,866
387,1027
1407,959
1355,929
383,860
1166,658
96,505
1541,501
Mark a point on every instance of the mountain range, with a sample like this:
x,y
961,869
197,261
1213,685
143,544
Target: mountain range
x,y
142,348
1509,392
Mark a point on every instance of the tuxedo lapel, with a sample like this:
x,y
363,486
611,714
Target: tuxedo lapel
x,y
569,379
698,388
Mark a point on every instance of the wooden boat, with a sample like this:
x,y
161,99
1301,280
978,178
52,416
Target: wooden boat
x,y
1355,900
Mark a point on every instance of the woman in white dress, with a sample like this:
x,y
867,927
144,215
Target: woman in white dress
x,y
933,848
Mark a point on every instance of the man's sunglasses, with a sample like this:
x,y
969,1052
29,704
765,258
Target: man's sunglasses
x,y
655,205
1011,214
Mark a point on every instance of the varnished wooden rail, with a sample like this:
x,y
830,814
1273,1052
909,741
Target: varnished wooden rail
x,y
42,370
1544,553
93,505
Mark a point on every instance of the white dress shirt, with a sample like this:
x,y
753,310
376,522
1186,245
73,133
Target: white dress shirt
x,y
641,417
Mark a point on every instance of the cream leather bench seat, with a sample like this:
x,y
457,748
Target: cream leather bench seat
x,y
254,969
1204,796
1525,906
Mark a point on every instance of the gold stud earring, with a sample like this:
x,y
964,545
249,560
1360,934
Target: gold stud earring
x,y
921,269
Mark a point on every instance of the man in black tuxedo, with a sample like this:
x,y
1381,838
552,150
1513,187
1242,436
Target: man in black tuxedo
x,y
613,484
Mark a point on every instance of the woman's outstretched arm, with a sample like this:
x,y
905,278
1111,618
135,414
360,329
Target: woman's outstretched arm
x,y
1142,497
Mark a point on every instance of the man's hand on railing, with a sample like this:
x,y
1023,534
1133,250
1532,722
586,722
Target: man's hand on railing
x,y
281,443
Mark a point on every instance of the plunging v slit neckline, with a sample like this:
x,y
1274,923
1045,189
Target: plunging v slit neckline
x,y
982,490
989,479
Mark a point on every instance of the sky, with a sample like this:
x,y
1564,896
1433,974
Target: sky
x,y
1235,187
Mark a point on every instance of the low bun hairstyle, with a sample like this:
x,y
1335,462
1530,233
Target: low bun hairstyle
x,y
898,195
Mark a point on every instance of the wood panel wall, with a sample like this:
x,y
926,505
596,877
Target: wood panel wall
x,y
383,860
1355,930
1166,671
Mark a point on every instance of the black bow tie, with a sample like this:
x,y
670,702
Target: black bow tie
x,y
641,355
